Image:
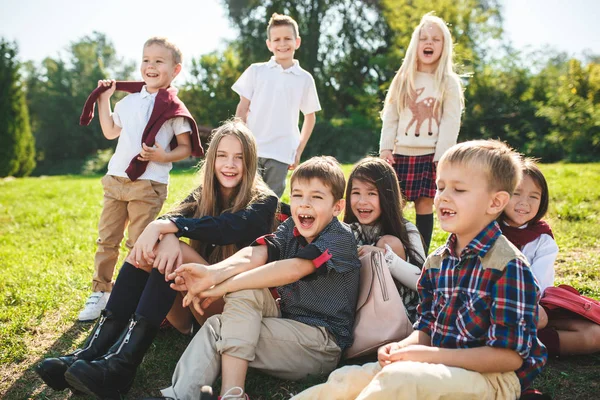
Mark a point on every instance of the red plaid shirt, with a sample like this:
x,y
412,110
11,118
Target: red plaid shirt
x,y
472,300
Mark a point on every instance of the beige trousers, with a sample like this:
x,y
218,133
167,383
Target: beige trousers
x,y
250,328
413,381
126,203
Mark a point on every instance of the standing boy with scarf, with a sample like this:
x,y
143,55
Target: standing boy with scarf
x,y
153,128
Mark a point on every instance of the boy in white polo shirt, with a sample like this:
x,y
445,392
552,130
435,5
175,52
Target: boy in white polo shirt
x,y
271,96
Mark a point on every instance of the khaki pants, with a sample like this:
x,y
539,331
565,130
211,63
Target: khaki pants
x,y
137,203
413,380
250,328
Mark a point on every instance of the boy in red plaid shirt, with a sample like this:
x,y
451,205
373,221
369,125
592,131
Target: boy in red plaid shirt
x,y
476,335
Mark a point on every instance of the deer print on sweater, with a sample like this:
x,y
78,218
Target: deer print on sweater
x,y
423,110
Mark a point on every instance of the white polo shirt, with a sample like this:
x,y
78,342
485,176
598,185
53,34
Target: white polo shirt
x,y
276,97
132,115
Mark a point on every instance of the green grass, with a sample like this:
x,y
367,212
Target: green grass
x,y
47,233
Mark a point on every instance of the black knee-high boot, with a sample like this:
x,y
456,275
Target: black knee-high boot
x,y
112,375
104,335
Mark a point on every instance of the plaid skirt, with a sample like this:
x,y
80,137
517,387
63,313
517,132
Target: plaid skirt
x,y
416,175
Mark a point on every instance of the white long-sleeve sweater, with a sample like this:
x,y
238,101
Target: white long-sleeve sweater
x,y
419,130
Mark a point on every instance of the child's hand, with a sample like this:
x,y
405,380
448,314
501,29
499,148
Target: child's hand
x,y
296,161
201,304
156,153
107,82
168,255
366,249
383,354
193,278
387,156
143,250
415,352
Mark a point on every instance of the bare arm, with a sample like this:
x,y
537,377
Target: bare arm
x,y
197,278
416,338
183,149
109,128
307,128
158,154
273,274
242,108
480,359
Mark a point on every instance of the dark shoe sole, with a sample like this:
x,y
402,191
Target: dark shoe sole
x,y
91,389
49,380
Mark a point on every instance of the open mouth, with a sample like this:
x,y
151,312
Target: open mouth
x,y
447,213
522,212
428,52
151,75
306,221
364,213
229,174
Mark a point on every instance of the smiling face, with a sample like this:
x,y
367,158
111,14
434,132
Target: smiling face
x,y
283,43
158,68
229,164
524,203
364,202
464,203
429,51
313,207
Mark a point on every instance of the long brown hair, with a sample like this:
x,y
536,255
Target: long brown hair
x,y
380,174
207,200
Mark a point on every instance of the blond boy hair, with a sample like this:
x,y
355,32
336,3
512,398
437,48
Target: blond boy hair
x,y
501,164
167,44
324,168
282,20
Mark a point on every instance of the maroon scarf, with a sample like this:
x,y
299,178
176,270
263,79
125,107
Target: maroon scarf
x,y
166,106
520,237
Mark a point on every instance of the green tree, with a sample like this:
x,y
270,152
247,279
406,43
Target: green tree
x,y
57,91
17,152
571,105
207,94
353,49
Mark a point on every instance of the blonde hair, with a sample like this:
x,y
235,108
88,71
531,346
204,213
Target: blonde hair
x,y
501,164
206,200
402,88
324,168
167,44
282,20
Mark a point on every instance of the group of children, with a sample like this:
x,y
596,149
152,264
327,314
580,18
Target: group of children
x,y
284,302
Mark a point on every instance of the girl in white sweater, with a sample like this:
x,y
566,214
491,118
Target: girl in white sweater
x,y
421,116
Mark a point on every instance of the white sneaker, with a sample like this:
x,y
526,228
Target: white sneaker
x,y
94,305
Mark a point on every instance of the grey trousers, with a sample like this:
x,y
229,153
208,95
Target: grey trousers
x,y
250,328
273,173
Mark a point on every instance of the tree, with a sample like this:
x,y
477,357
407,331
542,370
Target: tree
x,y
17,152
57,91
208,93
353,48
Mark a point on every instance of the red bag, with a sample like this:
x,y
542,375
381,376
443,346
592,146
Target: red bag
x,y
564,297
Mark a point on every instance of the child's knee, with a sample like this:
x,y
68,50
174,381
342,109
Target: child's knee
x,y
591,336
248,294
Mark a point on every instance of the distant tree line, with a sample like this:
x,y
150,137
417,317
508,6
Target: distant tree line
x,y
541,102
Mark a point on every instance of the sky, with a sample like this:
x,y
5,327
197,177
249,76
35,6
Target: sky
x,y
45,28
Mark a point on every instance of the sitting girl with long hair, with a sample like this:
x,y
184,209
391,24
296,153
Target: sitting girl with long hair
x,y
229,210
374,212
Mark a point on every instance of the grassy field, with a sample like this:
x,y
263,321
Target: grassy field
x,y
47,234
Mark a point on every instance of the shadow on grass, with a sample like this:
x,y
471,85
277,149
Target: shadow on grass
x,y
574,377
29,385
154,373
